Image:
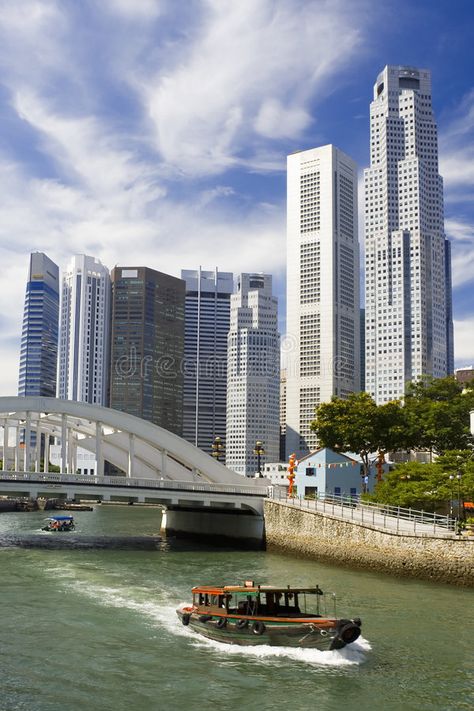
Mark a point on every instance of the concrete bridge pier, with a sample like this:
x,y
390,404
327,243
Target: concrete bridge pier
x,y
218,526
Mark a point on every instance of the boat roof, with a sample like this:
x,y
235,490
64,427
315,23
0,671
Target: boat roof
x,y
61,518
249,589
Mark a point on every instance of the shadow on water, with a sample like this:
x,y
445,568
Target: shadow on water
x,y
55,541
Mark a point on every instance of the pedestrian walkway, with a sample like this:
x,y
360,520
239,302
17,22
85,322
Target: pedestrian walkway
x,y
392,519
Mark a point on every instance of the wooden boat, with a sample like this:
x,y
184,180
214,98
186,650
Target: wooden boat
x,y
59,524
252,614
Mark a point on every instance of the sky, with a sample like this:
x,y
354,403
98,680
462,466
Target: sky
x,y
155,132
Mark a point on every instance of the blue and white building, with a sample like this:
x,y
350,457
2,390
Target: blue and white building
x,y
328,473
39,340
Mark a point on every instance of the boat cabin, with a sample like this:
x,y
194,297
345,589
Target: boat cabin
x,y
260,600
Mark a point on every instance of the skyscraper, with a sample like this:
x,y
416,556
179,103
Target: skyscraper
x,y
147,346
207,320
39,339
84,331
408,300
253,374
323,309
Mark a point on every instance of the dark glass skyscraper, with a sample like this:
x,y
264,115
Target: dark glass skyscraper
x,y
147,346
39,341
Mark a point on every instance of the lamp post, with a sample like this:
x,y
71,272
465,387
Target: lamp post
x,y
259,451
217,448
460,509
451,483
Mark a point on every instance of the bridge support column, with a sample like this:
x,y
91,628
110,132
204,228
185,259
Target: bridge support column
x,y
27,457
131,454
242,529
17,449
38,449
98,449
164,455
5,446
46,453
63,442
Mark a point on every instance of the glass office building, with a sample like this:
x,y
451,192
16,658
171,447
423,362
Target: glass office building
x,y
147,346
39,342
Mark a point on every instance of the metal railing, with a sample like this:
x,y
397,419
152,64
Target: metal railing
x,y
123,481
394,519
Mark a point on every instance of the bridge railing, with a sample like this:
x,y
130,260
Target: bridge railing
x,y
395,519
122,481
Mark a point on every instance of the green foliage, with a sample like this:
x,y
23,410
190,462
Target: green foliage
x,y
437,414
357,424
428,486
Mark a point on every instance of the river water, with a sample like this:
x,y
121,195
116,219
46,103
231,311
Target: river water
x,y
88,622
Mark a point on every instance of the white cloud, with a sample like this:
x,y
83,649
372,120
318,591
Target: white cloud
x,y
135,9
457,149
277,121
247,72
464,341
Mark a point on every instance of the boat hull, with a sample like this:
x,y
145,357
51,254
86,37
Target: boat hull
x,y
303,635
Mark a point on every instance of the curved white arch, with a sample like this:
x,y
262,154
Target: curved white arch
x,y
136,446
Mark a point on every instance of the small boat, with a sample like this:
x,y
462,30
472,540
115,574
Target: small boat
x,y
59,524
252,614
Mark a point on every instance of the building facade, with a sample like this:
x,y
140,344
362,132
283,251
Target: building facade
x,y
253,375
84,332
39,338
408,281
323,305
207,321
147,346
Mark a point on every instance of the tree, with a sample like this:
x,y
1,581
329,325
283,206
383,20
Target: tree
x,y
437,413
428,486
357,424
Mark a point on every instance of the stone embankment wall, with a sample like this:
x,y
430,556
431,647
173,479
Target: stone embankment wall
x,y
329,539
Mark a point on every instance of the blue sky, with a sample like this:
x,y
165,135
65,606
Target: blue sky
x,y
156,131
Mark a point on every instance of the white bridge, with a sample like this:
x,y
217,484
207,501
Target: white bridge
x,y
200,495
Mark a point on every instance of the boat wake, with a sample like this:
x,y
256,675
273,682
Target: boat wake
x,y
356,653
162,614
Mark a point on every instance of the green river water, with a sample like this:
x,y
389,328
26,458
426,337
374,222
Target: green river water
x,y
88,623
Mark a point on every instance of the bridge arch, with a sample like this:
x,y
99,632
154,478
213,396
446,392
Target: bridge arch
x,y
135,446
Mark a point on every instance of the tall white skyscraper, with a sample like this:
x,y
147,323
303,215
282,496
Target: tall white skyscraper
x,y
323,308
408,300
206,322
253,374
84,331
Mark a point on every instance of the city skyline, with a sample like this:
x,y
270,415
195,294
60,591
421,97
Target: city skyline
x,y
150,153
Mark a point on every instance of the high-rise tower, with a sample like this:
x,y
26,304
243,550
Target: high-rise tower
x,y
39,339
84,332
146,371
323,309
207,320
253,374
408,300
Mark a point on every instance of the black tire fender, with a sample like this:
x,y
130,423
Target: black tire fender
x,y
349,633
185,619
241,624
258,627
221,623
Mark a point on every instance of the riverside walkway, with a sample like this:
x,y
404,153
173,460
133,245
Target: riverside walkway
x,y
389,519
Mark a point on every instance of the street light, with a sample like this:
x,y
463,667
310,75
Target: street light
x,y
217,448
460,512
259,451
451,481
